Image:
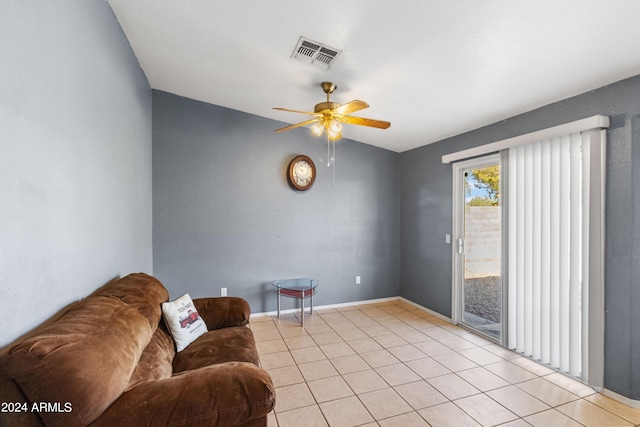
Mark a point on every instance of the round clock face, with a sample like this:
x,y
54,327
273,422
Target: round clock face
x,y
302,172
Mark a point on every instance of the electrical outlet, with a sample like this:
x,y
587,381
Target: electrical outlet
x,y
223,292
357,280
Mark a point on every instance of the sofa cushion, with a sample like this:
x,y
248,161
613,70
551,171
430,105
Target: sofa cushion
x,y
183,321
87,357
234,344
156,360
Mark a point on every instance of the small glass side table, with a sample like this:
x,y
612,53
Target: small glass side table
x,y
299,289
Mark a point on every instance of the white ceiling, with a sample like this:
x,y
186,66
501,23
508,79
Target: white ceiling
x,y
433,68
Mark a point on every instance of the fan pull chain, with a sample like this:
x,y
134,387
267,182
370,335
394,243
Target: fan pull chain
x,y
328,152
333,160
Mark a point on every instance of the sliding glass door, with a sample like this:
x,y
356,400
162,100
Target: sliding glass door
x,y
478,246
551,209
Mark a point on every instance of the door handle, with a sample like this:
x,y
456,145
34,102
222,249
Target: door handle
x,y
460,245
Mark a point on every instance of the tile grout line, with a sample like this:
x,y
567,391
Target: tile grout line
x,y
400,314
370,366
374,369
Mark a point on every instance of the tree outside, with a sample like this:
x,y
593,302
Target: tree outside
x,y
484,189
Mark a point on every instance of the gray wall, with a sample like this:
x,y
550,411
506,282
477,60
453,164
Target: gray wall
x,y
75,180
75,158
225,216
426,217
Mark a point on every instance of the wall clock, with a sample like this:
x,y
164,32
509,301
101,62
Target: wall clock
x,y
302,172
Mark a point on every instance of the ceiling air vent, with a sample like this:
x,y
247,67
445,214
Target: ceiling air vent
x,y
315,53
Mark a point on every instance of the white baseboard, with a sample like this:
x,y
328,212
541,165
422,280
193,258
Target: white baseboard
x,y
632,403
328,306
354,303
431,312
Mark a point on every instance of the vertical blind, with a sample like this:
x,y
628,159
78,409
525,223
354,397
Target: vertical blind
x,y
554,198
548,238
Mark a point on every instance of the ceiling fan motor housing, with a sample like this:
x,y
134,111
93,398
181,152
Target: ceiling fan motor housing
x,y
319,108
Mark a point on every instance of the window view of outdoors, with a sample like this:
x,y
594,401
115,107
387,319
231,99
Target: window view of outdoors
x,y
482,279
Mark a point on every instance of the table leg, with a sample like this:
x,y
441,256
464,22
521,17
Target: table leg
x,y
311,308
278,304
302,309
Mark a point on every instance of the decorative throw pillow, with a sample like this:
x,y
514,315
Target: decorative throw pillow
x,y
183,321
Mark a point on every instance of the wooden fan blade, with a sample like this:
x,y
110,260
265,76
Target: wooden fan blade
x,y
380,124
297,125
350,107
295,111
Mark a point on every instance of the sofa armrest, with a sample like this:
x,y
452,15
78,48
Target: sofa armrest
x,y
19,412
222,312
226,394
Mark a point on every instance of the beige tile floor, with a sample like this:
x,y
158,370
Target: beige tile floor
x,y
392,364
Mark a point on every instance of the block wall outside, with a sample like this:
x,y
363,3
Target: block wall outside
x,y
483,241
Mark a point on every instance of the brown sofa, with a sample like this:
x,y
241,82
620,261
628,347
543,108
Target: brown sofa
x,y
109,361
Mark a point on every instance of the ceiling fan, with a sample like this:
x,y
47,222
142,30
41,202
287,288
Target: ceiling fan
x,y
330,115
